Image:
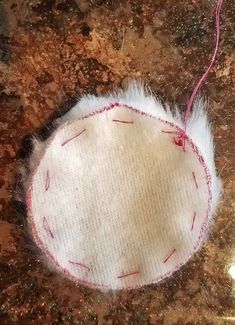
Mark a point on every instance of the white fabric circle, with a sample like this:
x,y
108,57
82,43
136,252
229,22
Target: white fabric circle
x,y
115,202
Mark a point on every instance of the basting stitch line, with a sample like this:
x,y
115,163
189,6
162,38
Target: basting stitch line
x,y
47,227
195,180
64,143
80,264
169,132
48,181
194,217
124,122
128,274
167,258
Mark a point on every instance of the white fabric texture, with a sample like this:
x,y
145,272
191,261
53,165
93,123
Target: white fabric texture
x,y
113,201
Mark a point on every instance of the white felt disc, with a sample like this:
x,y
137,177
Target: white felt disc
x,y
115,202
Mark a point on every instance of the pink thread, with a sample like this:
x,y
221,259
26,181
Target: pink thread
x,y
198,85
181,134
169,256
47,185
179,142
195,180
47,227
80,264
194,217
64,143
125,122
128,274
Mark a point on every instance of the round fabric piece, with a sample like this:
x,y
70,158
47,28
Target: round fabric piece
x,y
116,202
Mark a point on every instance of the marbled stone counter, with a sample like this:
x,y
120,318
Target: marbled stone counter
x,y
54,50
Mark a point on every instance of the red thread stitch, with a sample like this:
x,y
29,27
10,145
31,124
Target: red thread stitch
x,y
64,143
48,181
125,122
80,264
125,275
180,141
195,180
167,258
47,227
194,217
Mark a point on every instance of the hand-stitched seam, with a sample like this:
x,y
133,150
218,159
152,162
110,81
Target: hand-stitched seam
x,y
202,230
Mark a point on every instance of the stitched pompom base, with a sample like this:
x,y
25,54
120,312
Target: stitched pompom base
x,y
116,202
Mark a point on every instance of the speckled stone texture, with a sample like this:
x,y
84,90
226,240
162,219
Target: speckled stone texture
x,y
54,50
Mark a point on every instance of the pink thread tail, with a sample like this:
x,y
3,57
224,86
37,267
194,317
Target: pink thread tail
x,y
195,180
76,136
182,134
194,217
125,122
47,227
48,181
169,256
203,77
128,274
80,264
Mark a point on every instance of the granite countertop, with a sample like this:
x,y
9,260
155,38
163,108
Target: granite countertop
x,y
54,50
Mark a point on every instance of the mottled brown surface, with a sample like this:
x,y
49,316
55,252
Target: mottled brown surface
x,y
52,50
